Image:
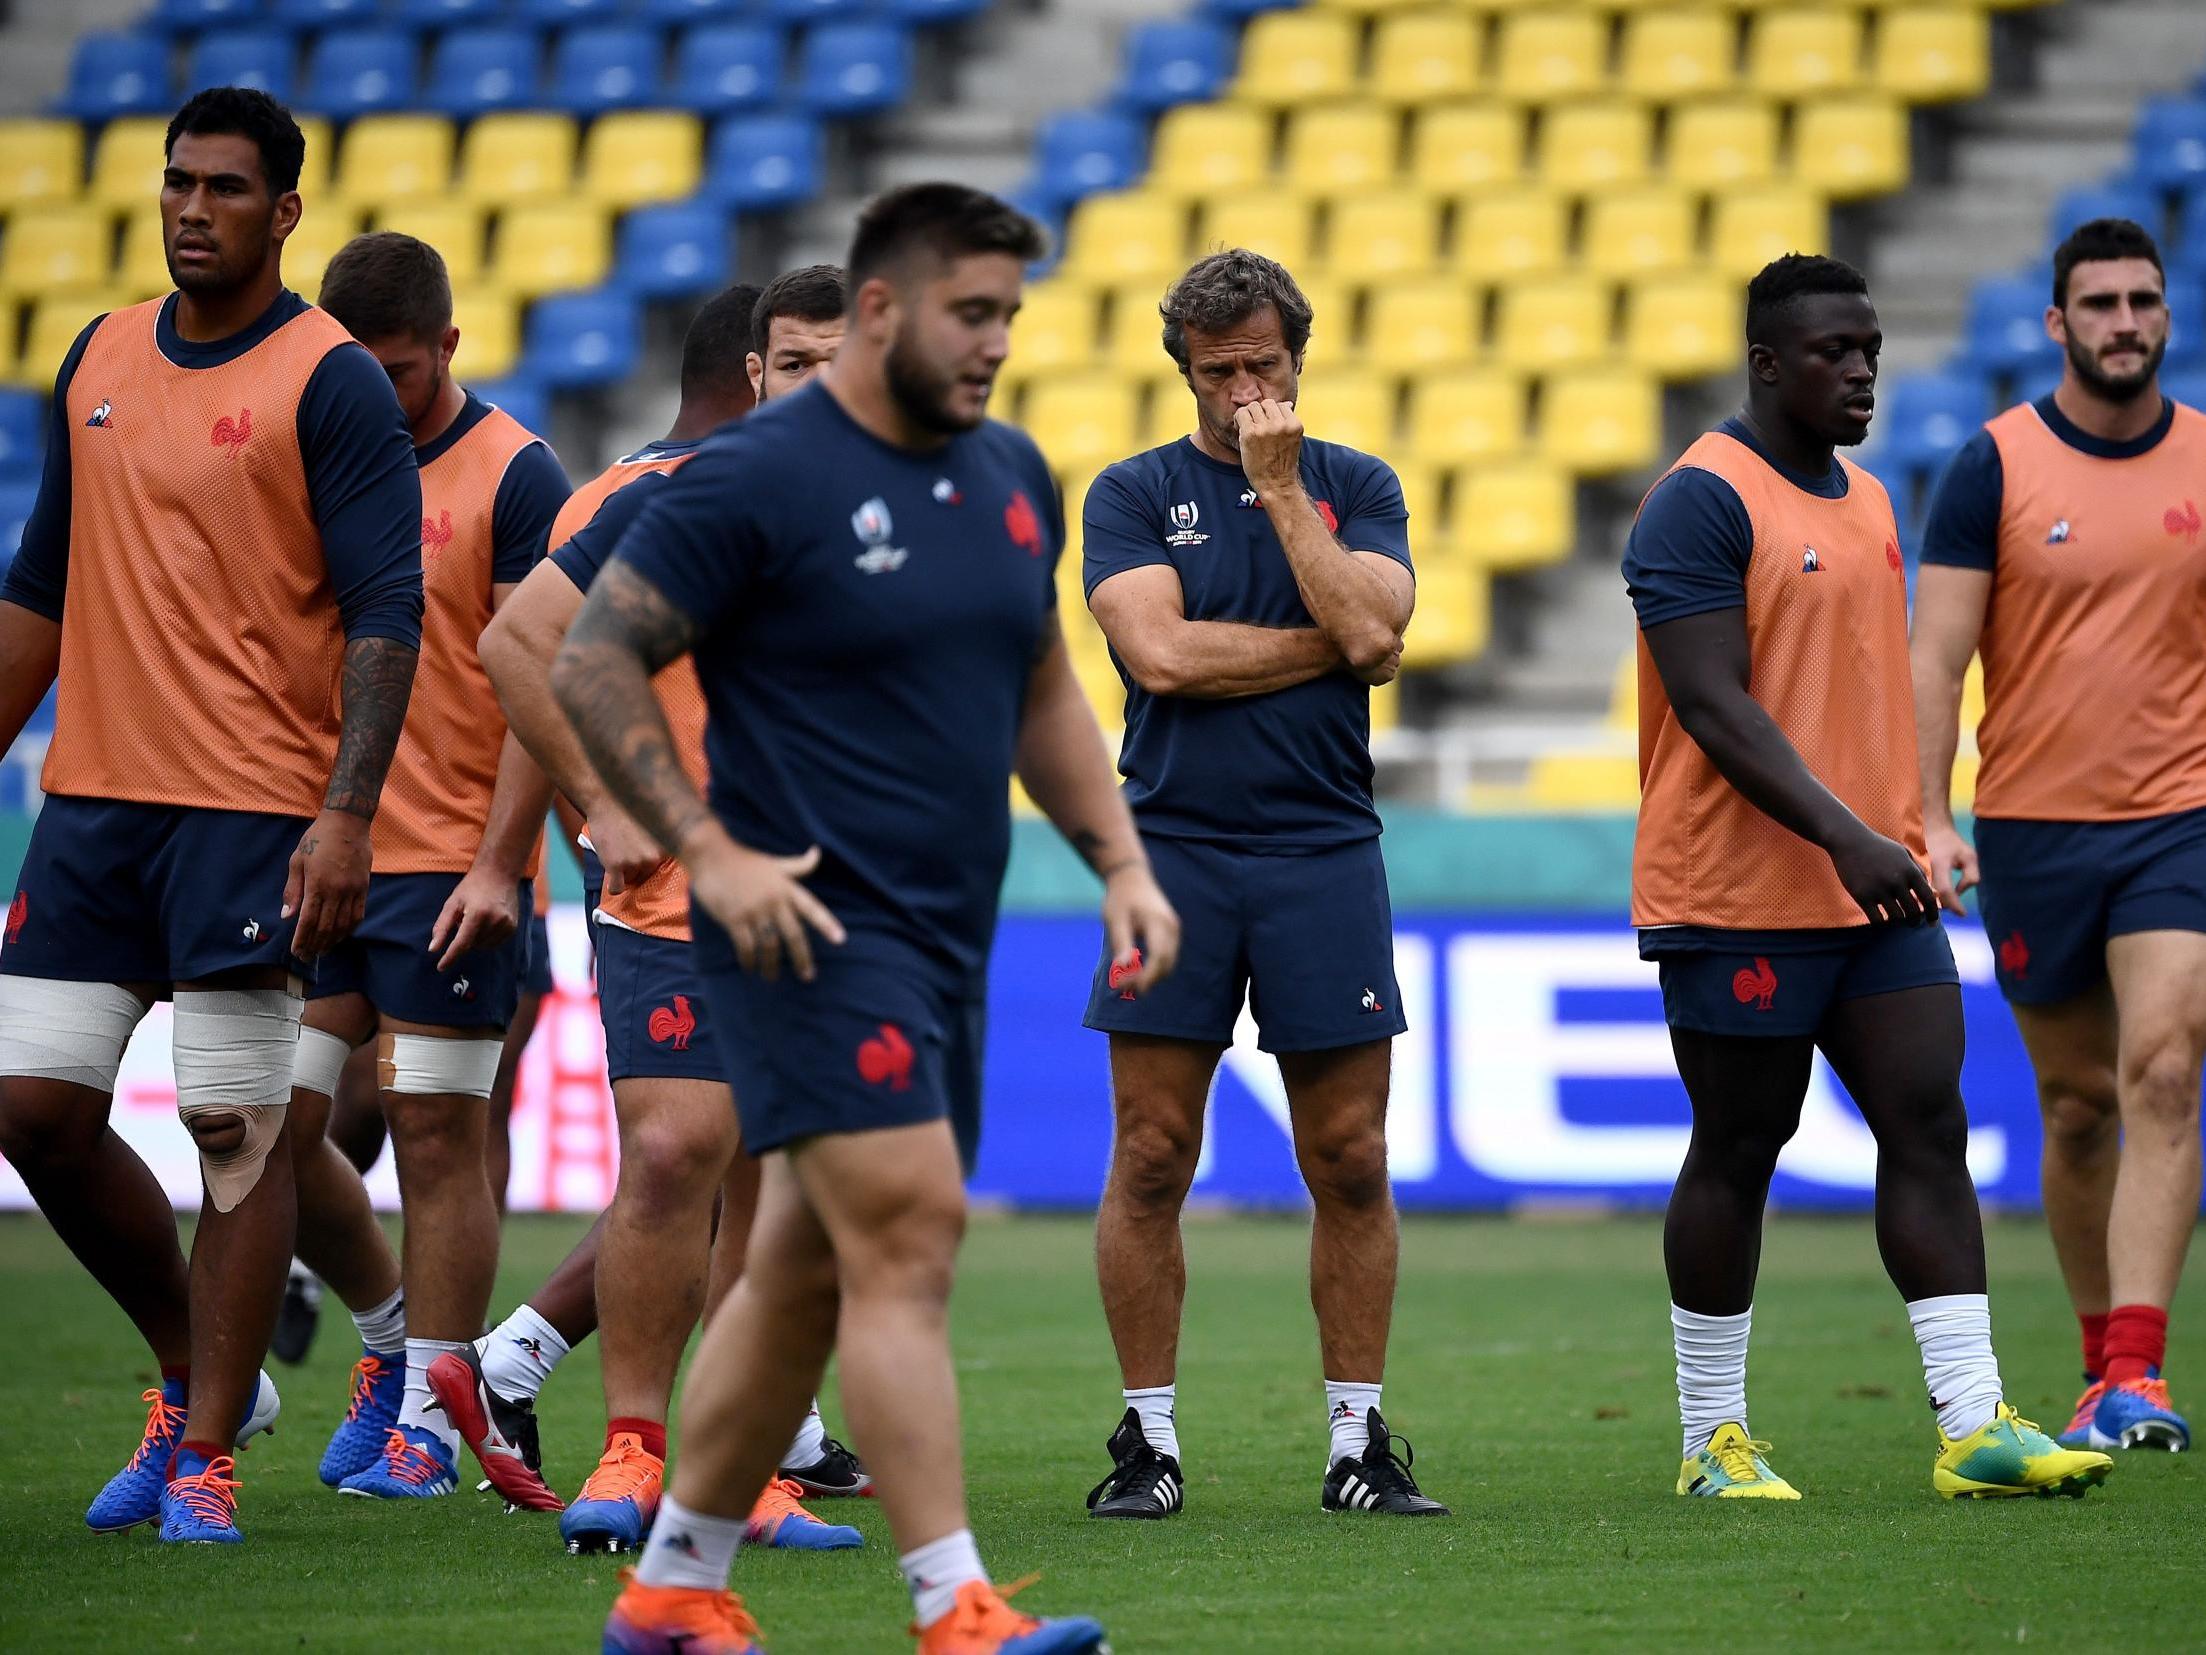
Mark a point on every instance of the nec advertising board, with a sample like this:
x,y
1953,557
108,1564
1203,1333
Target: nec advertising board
x,y
1536,1068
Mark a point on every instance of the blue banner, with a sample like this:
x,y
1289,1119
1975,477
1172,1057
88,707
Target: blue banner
x,y
1536,1068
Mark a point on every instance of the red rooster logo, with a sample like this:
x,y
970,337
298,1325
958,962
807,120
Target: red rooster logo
x,y
232,434
1758,986
435,536
887,1057
1124,972
1023,524
18,911
2184,524
676,1023
2014,955
1327,516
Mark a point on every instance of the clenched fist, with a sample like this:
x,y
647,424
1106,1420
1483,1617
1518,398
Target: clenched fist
x,y
1271,445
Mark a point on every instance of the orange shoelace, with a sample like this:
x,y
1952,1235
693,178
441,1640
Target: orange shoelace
x,y
365,1373
2154,1391
627,1472
685,1609
409,1462
780,1501
981,1612
2086,1405
210,1495
163,1418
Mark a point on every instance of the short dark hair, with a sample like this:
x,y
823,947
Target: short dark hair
x,y
2102,238
949,221
240,111
1784,282
1223,289
387,285
718,343
811,293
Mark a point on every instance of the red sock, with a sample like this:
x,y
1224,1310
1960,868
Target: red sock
x,y
2094,1343
650,1430
2136,1342
179,1376
208,1453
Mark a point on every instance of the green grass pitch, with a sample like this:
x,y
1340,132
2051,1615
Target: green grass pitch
x,y
1531,1369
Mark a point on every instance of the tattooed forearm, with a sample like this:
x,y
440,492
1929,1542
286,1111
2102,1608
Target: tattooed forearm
x,y
378,682
601,678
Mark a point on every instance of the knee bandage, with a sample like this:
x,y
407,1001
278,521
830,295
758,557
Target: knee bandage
x,y
320,1060
424,1065
73,1032
235,1051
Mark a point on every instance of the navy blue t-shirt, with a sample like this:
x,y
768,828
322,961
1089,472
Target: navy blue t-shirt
x,y
867,621
1963,526
1286,770
585,551
1687,553
360,476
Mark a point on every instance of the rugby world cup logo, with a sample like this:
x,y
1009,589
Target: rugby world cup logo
x,y
1185,516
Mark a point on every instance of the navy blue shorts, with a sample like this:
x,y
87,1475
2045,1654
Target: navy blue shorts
x,y
1786,982
539,978
388,960
657,1024
118,892
881,1037
2053,893
1307,941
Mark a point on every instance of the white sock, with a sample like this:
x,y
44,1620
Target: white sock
x,y
520,1354
383,1327
810,1444
1711,1372
1348,1406
934,1573
421,1409
1154,1408
687,1548
1955,1332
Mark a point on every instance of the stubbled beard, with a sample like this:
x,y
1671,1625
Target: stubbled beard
x,y
2111,387
923,397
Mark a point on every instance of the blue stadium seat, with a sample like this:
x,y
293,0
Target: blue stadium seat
x,y
16,500
41,720
2187,312
854,68
194,16
559,14
1175,62
22,438
1078,154
2033,380
809,11
324,14
2187,387
1925,417
577,340
720,68
118,74
2006,323
524,399
2169,147
680,13
671,251
2187,251
475,71
259,58
445,14
2121,199
927,12
757,162
1245,8
360,72
606,66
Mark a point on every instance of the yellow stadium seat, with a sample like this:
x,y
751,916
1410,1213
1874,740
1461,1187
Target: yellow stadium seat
x,y
10,363
1933,54
1556,323
142,266
1332,321
56,320
1467,418
509,159
1168,415
385,159
1551,54
1683,326
1118,237
490,333
1679,54
1636,231
1512,233
307,252
1348,406
1721,146
54,249
637,156
1386,707
1211,148
1595,146
1382,237
126,163
1466,146
1290,57
1514,516
1419,326
1453,618
1583,781
1341,149
1599,421
40,161
453,228
320,157
1053,332
1080,420
1800,53
1277,225
1752,227
1366,8
555,247
1133,334
1421,496
1851,147
1421,56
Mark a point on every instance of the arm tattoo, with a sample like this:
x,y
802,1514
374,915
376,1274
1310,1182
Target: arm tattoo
x,y
378,682
625,632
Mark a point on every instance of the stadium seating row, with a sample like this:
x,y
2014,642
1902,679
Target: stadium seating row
x,y
189,17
